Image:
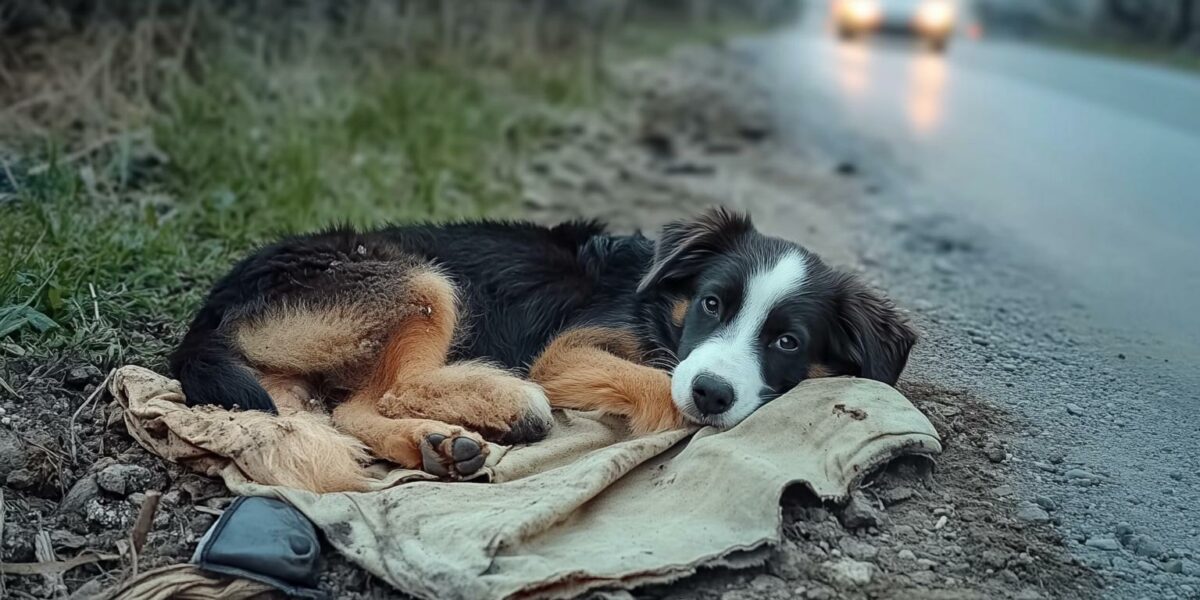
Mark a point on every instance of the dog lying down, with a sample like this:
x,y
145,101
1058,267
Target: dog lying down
x,y
429,340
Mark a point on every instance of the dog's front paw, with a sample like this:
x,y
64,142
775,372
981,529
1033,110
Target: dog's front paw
x,y
455,454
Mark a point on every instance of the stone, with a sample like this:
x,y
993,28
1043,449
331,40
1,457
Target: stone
x,y
858,549
1189,567
858,513
897,495
906,554
123,479
79,376
1173,566
1046,503
12,452
1103,543
1003,490
1032,513
21,479
79,495
995,454
994,559
847,572
1147,566
1144,545
1074,409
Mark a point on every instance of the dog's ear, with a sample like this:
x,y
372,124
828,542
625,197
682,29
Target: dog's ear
x,y
684,247
869,337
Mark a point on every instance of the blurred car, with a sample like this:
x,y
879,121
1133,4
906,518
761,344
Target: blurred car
x,y
931,20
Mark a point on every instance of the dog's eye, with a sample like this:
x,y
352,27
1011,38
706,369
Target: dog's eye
x,y
711,305
787,343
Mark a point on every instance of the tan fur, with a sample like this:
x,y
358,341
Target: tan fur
x,y
303,450
478,396
679,312
397,440
305,340
817,370
592,368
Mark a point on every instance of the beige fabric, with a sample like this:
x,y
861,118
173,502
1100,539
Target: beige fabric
x,y
590,507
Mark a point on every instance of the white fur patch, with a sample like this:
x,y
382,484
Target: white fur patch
x,y
733,353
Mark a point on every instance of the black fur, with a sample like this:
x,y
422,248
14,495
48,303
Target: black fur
x,y
522,284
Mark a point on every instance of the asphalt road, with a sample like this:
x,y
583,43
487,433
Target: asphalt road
x,y
1041,209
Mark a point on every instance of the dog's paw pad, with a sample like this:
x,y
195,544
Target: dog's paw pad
x,y
452,457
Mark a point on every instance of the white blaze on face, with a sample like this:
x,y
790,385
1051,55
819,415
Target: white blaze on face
x,y
733,353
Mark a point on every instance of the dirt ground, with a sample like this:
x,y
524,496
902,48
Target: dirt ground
x,y
686,132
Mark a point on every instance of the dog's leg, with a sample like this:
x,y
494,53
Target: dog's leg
x,y
420,413
594,368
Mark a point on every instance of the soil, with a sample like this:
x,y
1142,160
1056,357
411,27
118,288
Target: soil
x,y
688,131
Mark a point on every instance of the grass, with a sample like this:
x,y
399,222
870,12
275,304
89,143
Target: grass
x,y
140,183
105,255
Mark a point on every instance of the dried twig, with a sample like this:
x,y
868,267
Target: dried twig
x,y
55,567
216,512
43,549
71,424
145,520
3,511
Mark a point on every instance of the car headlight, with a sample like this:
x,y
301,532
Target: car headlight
x,y
935,15
862,12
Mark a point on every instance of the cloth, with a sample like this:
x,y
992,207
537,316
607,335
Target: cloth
x,y
588,508
188,582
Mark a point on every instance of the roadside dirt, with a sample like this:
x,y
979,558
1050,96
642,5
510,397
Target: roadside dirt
x,y
686,132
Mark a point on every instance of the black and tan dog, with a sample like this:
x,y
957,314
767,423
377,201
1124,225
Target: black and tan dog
x,y
429,339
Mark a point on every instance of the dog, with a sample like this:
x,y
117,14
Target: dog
x,y
428,340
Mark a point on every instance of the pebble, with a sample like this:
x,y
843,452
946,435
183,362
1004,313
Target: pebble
x,y
80,494
994,559
995,454
1173,566
926,563
1074,409
124,479
941,522
1032,513
1103,543
858,549
1003,490
859,513
82,375
1144,545
906,554
897,495
848,572
1045,502
1189,567
1147,566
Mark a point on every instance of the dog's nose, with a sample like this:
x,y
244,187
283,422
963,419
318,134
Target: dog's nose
x,y
711,394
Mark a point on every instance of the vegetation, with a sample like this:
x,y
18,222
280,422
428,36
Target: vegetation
x,y
142,153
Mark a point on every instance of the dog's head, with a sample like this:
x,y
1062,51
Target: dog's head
x,y
762,315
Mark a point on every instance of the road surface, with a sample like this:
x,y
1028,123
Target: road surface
x,y
1050,208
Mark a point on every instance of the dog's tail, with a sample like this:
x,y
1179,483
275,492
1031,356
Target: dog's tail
x,y
213,372
294,449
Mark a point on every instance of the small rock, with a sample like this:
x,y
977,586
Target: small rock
x,y
994,559
1189,567
12,452
21,479
1147,566
67,539
906,554
941,522
926,563
995,454
1032,513
80,494
897,495
1046,503
77,377
1003,490
124,479
858,549
1144,545
1124,531
858,513
847,169
1074,409
1103,543
1173,566
848,572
